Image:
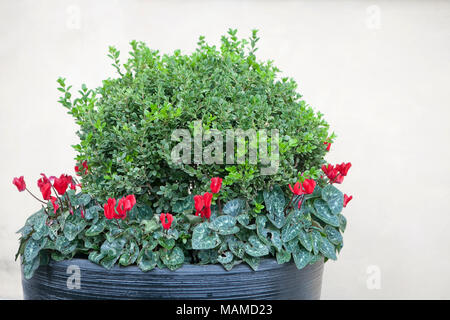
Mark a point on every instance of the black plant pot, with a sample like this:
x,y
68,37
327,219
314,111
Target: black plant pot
x,y
59,280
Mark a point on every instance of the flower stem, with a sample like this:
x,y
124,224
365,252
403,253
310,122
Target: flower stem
x,y
35,196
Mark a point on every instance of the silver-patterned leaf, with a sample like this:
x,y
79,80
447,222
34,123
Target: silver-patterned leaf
x,y
305,239
323,213
333,235
334,198
203,238
234,207
301,258
327,249
255,247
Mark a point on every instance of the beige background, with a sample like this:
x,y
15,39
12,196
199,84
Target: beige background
x,y
378,70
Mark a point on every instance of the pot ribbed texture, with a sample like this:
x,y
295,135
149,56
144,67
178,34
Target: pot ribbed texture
x,y
271,281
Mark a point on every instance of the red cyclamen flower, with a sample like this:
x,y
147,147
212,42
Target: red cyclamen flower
x,y
207,198
62,183
309,185
166,220
45,185
347,199
20,183
328,145
297,190
198,203
216,184
125,205
343,168
54,203
109,209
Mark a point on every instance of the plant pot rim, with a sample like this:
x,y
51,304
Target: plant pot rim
x,y
210,269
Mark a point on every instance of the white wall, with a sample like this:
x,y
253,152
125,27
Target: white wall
x,y
378,70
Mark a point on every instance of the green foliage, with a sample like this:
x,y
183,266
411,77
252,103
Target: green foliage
x,y
126,124
125,129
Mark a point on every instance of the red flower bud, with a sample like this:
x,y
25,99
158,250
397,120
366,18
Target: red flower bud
x,y
216,184
54,203
166,220
347,199
20,183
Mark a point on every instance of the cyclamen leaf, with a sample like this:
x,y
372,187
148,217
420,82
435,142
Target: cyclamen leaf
x,y
237,247
291,231
256,248
323,213
253,262
30,267
333,235
225,257
334,198
148,260
234,207
95,256
40,227
301,258
96,228
275,202
174,257
32,248
327,249
283,256
306,240
342,222
316,241
203,238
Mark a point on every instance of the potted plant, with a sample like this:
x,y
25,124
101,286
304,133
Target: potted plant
x,y
161,207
